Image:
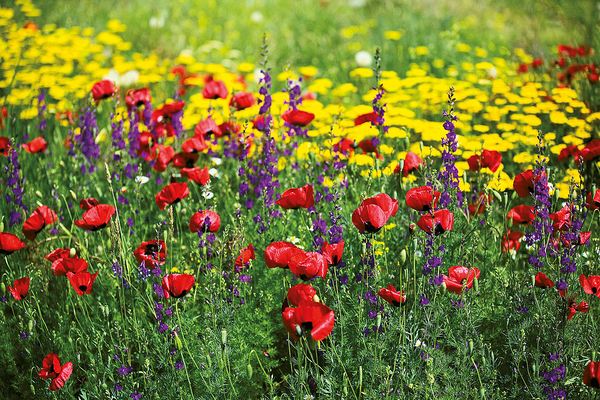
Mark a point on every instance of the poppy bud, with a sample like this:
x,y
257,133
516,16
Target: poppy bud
x,y
593,354
32,388
249,371
377,164
224,336
104,386
2,226
421,146
72,253
2,287
360,376
483,360
298,330
364,248
178,343
482,392
534,367
414,245
406,144
497,195
476,285
345,389
443,287
378,320
183,211
403,256
316,298
470,346
30,325
39,194
556,195
400,168
533,280
62,163
208,360
70,338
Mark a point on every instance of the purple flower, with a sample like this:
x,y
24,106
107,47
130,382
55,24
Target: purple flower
x,y
125,370
136,396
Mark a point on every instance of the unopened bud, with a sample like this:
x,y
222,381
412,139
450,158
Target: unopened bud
x,y
104,386
249,371
32,388
178,343
533,280
2,226
534,367
224,336
497,195
377,164
345,389
421,147
415,244
73,195
483,360
556,195
298,330
378,320
183,211
400,167
443,286
316,298
72,253
208,360
403,256
482,392
30,325
593,355
470,346
3,287
360,376
39,194
476,285
406,143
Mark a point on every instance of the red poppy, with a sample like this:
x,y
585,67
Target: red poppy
x,y
591,285
369,117
521,215
297,198
37,145
215,90
511,241
333,252
584,237
64,266
137,97
307,265
567,50
479,206
368,147
562,219
582,307
383,201
82,282
206,127
51,369
146,146
37,221
20,289
316,318
199,175
30,26
245,256
242,100
344,146
442,219
542,281
172,194
164,155
538,62
96,218
392,296
278,254
422,198
488,159
524,183
374,212
569,151
301,292
297,117
5,147
59,253
411,163
591,375
591,150
152,252
86,204
177,285
523,68
205,221
103,90
227,128
195,144
185,160
9,243
459,276
163,115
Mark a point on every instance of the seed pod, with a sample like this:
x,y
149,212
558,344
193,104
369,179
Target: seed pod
x,y
403,256
249,371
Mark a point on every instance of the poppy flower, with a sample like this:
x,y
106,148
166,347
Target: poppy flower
x,y
368,146
301,292
199,175
52,369
103,90
205,221
278,254
591,285
542,281
152,251
297,117
344,146
562,219
145,146
511,241
9,243
193,145
177,285
162,118
206,127
523,68
584,237
332,252
172,194
422,198
307,265
242,100
488,159
59,253
383,201
297,198
96,218
4,146
245,256
568,152
316,318
137,97
442,219
593,203
20,289
567,50
582,307
37,145
227,128
64,266
164,155
369,218
215,90
591,150
524,183
521,215
459,276
368,117
479,206
86,204
37,221
185,160
538,62
82,282
411,163
591,375
392,296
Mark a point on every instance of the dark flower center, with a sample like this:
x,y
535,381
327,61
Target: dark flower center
x,y
151,250
594,290
594,383
439,229
83,288
189,163
183,293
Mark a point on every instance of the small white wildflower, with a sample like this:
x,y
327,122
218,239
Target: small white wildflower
x,y
217,161
214,172
418,253
363,58
141,179
257,17
129,78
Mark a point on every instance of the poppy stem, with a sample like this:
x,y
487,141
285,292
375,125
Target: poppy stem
x,y
185,343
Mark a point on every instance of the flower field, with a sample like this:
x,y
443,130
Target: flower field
x,y
406,222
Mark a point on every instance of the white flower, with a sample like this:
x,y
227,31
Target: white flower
x,y
214,172
129,78
217,161
257,17
418,253
157,22
492,72
357,3
141,179
208,195
363,58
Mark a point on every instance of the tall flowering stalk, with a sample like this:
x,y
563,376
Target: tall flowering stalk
x,y
15,183
448,173
87,139
41,110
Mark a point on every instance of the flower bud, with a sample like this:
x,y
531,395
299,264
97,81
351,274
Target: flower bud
x,y
406,144
178,343
364,248
421,147
482,392
249,371
73,195
497,195
470,346
377,164
30,325
534,367
483,360
72,252
208,360
556,195
39,194
360,376
298,330
476,285
415,244
403,256
443,287
378,320
224,336
316,298
533,280
430,379
2,226
32,388
2,287
400,167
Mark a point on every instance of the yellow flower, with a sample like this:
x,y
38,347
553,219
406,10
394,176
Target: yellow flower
x,y
309,71
463,48
421,51
362,73
114,25
392,35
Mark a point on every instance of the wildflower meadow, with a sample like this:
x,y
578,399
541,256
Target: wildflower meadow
x,y
352,199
